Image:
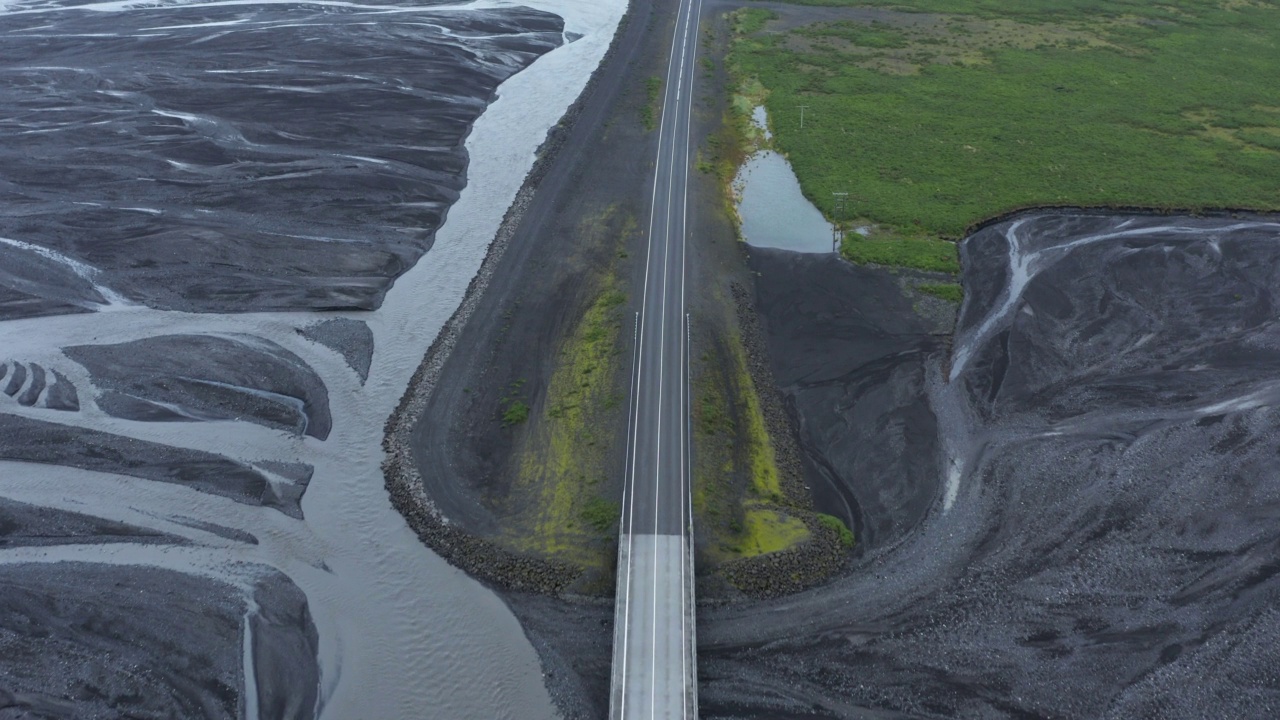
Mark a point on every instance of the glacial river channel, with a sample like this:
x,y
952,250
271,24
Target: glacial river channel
x,y
223,251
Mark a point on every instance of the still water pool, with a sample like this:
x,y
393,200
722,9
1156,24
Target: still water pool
x,y
774,212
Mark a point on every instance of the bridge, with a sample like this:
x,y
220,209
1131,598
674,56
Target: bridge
x,y
654,659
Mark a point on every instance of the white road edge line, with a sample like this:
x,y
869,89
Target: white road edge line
x,y
683,378
685,389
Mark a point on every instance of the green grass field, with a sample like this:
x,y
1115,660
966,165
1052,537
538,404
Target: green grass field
x,y
961,110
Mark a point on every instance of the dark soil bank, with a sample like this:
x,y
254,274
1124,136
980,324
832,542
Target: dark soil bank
x,y
1082,523
849,353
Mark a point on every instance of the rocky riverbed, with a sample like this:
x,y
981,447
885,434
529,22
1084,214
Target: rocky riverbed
x,y
1071,514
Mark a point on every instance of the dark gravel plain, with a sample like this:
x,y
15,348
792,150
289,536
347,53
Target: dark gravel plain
x,y
189,378
61,628
234,158
1092,529
850,353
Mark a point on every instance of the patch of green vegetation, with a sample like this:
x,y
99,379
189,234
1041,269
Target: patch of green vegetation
x,y
611,298
558,505
1043,10
737,491
922,253
876,35
1001,105
951,292
751,20
601,514
765,482
835,523
712,418
713,441
579,390
702,164
517,411
727,147
513,410
649,112
1265,138
767,530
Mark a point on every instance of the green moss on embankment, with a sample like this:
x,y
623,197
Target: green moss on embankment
x,y
762,463
563,502
561,466
649,112
738,499
836,524
992,106
767,530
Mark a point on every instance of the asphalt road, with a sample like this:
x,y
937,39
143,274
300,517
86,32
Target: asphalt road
x,y
654,669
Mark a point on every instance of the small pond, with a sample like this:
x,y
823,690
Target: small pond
x,y
774,212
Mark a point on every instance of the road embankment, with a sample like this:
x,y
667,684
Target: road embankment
x,y
450,514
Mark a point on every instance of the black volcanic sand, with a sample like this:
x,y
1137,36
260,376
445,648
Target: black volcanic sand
x,y
202,377
38,441
288,157
48,388
1111,547
23,524
352,339
84,641
849,354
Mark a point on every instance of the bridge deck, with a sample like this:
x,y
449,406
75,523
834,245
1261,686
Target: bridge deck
x,y
654,673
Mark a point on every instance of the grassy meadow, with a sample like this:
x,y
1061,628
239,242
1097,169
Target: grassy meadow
x,y
937,114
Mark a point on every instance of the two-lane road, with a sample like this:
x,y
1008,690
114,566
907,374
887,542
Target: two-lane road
x,y
654,673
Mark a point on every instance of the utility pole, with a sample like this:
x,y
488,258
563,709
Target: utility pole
x,y
802,109
840,199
